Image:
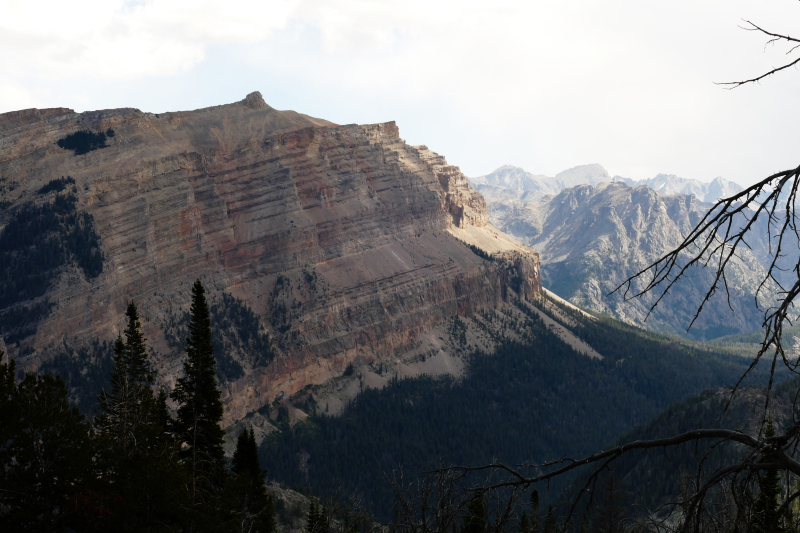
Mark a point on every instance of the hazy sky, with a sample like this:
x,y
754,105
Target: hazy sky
x,y
545,85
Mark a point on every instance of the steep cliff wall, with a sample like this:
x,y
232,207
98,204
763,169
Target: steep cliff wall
x,y
344,240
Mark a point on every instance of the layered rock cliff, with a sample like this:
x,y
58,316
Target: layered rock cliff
x,y
344,241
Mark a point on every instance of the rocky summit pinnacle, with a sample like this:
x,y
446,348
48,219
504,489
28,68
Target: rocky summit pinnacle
x,y
254,100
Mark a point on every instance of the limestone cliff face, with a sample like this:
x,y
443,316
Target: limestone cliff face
x,y
342,239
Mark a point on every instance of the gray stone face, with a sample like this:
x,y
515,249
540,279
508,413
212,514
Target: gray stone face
x,y
591,238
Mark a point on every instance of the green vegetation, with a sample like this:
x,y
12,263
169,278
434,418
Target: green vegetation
x,y
655,476
480,253
39,242
57,185
200,407
534,400
86,370
85,141
235,328
135,469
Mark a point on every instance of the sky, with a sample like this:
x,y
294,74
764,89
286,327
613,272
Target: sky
x,y
543,85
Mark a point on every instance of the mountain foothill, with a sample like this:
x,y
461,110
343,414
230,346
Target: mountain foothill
x,y
370,309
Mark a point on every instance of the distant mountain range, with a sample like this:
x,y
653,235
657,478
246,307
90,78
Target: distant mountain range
x,y
508,181
593,236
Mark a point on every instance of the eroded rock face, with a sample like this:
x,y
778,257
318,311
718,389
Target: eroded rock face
x,y
340,238
592,238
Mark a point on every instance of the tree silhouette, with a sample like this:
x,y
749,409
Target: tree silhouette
x,y
200,408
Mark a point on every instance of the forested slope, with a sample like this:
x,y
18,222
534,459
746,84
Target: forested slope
x,y
535,399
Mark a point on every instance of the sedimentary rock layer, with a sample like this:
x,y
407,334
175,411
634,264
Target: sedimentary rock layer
x,y
341,238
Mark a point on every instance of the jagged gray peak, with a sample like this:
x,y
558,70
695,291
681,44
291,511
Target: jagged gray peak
x,y
671,184
591,238
509,181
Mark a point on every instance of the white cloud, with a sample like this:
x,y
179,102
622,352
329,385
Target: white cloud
x,y
541,84
112,39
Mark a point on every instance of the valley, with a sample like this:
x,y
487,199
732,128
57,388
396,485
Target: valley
x,y
370,310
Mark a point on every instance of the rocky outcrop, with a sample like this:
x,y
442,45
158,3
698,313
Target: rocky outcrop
x,y
592,238
344,240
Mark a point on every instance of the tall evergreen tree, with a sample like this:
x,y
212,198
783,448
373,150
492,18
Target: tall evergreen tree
x,y
254,510
611,507
52,471
317,518
125,409
550,521
136,349
140,457
200,408
8,416
245,457
524,525
477,517
765,517
535,517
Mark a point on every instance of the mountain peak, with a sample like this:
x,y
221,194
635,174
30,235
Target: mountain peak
x,y
254,100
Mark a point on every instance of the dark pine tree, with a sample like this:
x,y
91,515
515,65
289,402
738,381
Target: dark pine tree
x,y
524,525
140,456
535,518
50,482
200,407
8,416
765,516
253,508
136,349
128,408
611,508
245,457
317,518
476,519
550,521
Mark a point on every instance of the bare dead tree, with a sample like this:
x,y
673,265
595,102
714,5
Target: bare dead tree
x,y
775,38
438,501
718,499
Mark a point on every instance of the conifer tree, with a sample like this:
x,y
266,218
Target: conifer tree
x,y
535,519
141,461
52,453
254,508
611,508
550,521
477,519
765,508
8,415
200,408
245,457
317,518
524,525
136,349
130,403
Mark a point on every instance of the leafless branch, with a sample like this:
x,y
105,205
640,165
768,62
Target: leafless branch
x,y
775,37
